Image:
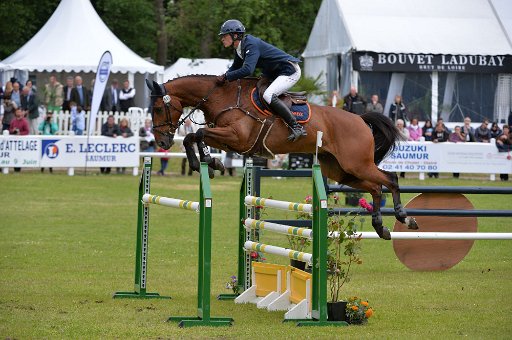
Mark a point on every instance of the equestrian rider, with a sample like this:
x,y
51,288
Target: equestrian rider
x,y
252,52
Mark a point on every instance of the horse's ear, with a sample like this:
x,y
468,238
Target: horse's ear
x,y
158,89
150,85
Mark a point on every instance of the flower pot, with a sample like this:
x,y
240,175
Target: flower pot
x,y
352,201
298,264
336,311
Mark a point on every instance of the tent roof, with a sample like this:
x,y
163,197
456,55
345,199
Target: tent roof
x,y
185,66
467,27
73,40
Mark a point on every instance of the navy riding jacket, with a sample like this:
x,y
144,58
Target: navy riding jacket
x,y
258,53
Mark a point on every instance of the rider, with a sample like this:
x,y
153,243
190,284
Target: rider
x,y
279,66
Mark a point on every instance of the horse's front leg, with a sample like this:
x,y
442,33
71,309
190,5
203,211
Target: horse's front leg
x,y
188,143
204,154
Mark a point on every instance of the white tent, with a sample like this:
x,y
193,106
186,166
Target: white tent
x,y
73,40
184,66
367,32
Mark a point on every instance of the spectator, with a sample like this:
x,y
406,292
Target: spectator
x,y
1,91
504,144
110,99
427,130
19,127
397,110
80,95
9,112
440,120
335,99
457,136
467,130
48,126
163,163
77,118
415,132
482,133
185,130
126,97
16,94
31,86
125,132
29,105
53,95
67,91
404,135
353,102
495,130
7,90
148,143
374,106
109,129
440,135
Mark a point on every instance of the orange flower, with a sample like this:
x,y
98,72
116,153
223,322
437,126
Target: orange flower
x,y
355,308
369,313
364,303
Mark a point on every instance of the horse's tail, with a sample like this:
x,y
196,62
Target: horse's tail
x,y
385,134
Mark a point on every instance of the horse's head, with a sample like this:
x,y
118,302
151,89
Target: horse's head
x,y
166,112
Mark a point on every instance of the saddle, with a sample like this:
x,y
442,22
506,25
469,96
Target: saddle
x,y
289,98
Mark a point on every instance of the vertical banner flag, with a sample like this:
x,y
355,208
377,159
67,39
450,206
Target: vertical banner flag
x,y
102,74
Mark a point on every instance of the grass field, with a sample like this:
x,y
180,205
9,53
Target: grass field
x,y
68,243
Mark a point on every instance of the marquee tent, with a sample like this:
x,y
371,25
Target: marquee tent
x,y
184,66
407,44
72,41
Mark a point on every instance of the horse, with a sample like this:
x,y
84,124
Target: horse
x,y
352,147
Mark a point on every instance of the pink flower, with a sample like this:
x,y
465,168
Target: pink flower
x,y
364,204
308,199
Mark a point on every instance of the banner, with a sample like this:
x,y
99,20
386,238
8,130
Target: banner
x,y
410,62
480,158
20,151
102,74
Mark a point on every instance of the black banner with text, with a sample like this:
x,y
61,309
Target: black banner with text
x,y
409,62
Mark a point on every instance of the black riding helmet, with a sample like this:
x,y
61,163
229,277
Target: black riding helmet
x,y
231,27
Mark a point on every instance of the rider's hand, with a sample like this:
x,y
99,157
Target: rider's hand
x,y
221,79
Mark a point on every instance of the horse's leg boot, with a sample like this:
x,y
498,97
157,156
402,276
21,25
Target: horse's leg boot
x,y
284,112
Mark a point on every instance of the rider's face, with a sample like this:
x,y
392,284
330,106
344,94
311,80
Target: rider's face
x,y
226,40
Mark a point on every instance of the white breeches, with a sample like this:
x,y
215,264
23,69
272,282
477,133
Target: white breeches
x,y
281,84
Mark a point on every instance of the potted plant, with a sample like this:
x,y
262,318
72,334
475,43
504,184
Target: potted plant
x,y
358,311
352,198
343,253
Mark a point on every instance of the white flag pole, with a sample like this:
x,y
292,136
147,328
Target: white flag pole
x,y
319,135
102,74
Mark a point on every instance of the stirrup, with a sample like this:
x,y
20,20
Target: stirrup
x,y
297,132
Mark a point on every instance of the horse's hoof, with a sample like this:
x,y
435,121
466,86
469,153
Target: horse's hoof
x,y
410,222
211,173
386,235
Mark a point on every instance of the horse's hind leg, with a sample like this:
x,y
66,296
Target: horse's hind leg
x,y
400,213
376,191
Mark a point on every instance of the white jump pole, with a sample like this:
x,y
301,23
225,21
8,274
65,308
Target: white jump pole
x,y
171,202
282,205
278,228
268,249
438,236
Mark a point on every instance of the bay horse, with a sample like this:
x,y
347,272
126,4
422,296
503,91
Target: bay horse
x,y
352,145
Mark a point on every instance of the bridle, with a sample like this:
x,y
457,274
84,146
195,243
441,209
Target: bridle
x,y
168,105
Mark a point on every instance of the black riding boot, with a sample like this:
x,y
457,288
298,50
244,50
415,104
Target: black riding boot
x,y
284,112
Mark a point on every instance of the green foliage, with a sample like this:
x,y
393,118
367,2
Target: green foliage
x,y
133,22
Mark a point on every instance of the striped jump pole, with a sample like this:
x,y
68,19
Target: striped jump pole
x,y
281,205
278,228
204,207
171,202
269,249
